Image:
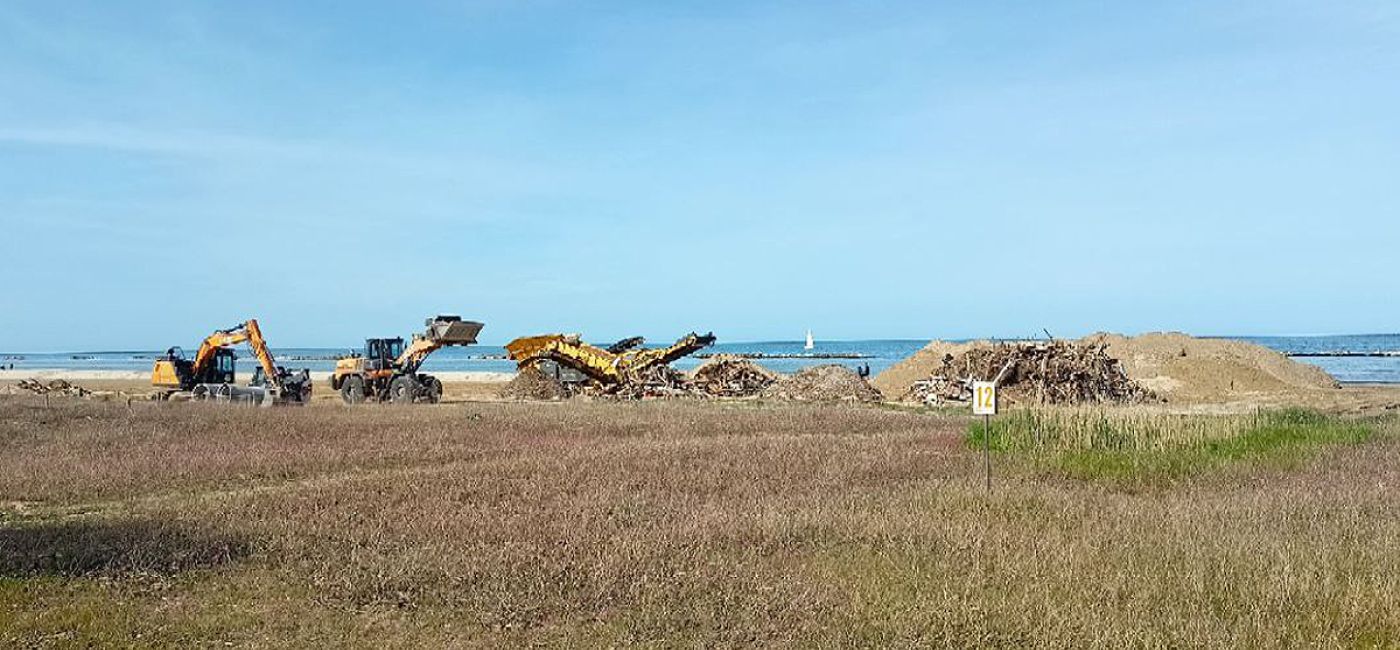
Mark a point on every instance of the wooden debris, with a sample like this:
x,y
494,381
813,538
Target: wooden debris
x,y
650,383
53,387
1054,372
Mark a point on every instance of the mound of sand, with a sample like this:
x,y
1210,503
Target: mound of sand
x,y
1174,366
896,380
822,384
530,383
1184,368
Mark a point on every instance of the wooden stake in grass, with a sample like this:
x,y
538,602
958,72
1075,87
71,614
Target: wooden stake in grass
x,y
987,448
984,403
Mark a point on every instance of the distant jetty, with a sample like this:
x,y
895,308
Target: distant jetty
x,y
1378,354
786,355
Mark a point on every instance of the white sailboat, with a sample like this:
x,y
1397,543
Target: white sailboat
x,y
810,344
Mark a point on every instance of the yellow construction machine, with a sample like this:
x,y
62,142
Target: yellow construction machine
x,y
388,370
558,354
210,374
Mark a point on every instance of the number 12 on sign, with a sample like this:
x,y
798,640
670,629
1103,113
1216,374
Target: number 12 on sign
x,y
984,398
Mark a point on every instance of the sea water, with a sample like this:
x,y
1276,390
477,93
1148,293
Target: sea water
x,y
1372,358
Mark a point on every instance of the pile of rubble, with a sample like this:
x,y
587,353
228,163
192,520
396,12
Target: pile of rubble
x,y
731,376
823,384
531,383
53,387
723,377
1054,372
650,383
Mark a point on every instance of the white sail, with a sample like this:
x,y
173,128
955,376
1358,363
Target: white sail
x,y
810,343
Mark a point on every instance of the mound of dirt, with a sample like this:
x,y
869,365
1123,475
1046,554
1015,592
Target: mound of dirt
x,y
822,384
730,376
1174,366
1052,372
531,383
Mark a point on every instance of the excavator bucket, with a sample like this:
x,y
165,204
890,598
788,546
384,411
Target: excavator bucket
x,y
452,330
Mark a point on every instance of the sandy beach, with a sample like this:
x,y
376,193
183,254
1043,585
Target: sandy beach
x,y
457,386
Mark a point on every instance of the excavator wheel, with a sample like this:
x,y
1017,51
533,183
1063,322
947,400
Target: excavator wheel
x,y
432,390
352,389
403,389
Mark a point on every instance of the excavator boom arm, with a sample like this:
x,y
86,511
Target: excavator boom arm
x,y
212,343
264,355
248,331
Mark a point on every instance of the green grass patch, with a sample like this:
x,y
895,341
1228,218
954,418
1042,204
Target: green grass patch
x,y
1134,447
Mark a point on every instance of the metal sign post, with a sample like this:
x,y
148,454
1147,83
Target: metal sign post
x,y
984,403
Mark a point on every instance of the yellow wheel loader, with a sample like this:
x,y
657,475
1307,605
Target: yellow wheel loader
x,y
210,374
388,370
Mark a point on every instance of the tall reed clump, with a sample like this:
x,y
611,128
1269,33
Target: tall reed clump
x,y
1143,446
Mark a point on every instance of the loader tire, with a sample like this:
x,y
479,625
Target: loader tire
x,y
432,390
403,389
352,390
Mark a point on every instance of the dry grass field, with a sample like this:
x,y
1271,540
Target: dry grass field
x,y
578,524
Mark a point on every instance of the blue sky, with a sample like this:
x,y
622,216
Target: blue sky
x,y
867,169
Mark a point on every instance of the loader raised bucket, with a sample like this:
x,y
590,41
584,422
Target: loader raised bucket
x,y
452,330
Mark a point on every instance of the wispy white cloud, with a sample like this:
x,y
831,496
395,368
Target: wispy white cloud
x,y
172,143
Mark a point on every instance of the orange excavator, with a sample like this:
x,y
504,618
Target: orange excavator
x,y
210,374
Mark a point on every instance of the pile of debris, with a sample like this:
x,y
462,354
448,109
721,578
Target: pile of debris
x,y
731,376
532,383
1054,372
724,377
649,383
53,387
822,384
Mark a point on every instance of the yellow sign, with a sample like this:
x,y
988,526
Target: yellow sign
x,y
984,398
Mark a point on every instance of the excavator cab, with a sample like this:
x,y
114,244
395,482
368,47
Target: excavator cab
x,y
223,366
175,371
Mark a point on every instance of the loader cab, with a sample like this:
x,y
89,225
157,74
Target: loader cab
x,y
381,353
